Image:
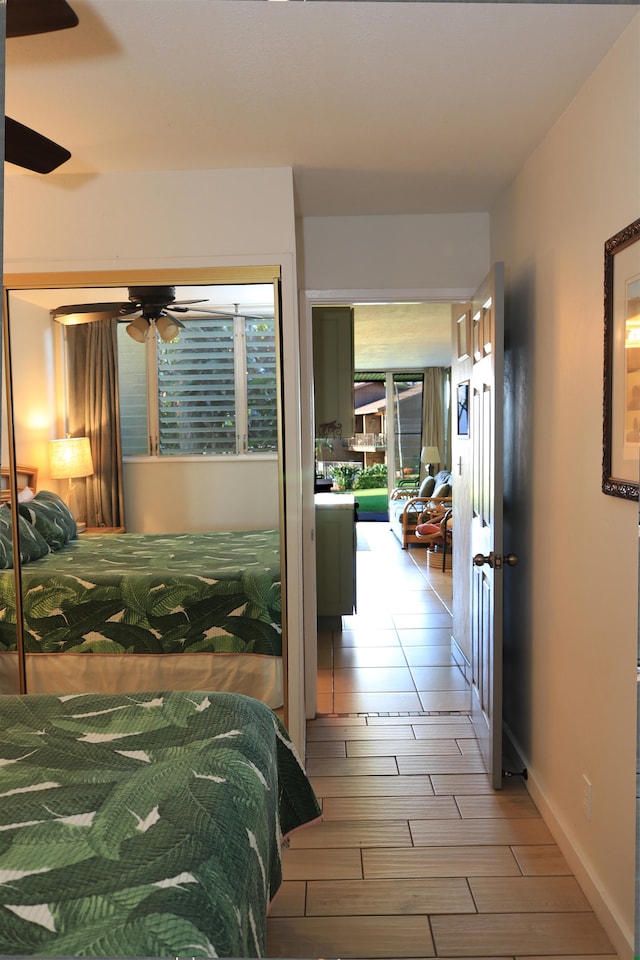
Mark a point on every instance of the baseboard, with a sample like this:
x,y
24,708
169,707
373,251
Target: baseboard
x,y
460,659
621,935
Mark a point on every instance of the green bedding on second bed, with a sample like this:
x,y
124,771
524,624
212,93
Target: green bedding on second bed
x,y
146,825
215,592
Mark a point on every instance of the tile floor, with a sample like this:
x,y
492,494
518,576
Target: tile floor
x,y
416,856
395,653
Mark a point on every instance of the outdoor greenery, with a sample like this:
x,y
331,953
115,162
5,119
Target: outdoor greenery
x,y
372,501
344,475
371,478
348,476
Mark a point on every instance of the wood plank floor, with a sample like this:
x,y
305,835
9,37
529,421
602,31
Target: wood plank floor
x,y
416,856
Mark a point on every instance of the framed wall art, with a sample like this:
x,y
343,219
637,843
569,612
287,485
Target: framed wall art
x,y
621,410
463,409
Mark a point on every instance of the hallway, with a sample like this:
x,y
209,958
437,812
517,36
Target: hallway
x,y
395,653
416,855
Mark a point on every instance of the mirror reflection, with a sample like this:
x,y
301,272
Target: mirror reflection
x,y
146,443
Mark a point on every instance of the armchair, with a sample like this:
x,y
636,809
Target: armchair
x,y
435,529
406,504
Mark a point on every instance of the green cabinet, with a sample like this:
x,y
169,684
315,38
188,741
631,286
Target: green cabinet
x,y
333,371
335,554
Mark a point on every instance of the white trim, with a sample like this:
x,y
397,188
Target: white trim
x,y
308,513
351,297
291,405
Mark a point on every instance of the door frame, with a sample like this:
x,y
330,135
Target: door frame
x,y
307,300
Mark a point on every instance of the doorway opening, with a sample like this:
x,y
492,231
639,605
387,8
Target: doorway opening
x,y
394,652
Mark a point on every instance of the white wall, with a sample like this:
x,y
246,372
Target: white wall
x,y
570,689
34,395
169,496
432,254
153,218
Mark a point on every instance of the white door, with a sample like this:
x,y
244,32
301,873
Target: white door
x,y
487,559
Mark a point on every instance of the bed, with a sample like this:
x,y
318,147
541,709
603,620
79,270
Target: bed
x,y
143,825
124,612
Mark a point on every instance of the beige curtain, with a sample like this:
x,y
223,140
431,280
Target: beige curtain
x,y
92,370
436,430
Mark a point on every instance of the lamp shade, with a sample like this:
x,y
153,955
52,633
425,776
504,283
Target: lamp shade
x,y
430,455
70,458
138,329
168,327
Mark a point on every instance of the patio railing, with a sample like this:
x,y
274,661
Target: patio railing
x,y
366,442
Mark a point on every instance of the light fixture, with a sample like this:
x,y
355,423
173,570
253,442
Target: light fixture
x,y
429,456
138,329
168,327
70,459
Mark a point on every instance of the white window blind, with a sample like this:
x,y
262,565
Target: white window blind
x,y
211,390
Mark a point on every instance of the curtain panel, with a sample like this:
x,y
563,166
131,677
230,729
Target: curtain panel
x,y
93,412
436,429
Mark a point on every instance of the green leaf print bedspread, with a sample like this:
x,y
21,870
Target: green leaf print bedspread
x,y
213,592
143,825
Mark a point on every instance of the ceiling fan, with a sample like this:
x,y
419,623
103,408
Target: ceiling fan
x,y
146,307
23,146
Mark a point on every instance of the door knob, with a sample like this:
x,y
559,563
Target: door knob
x,y
495,560
480,559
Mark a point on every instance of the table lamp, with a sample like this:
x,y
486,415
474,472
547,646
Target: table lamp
x,y
429,456
70,459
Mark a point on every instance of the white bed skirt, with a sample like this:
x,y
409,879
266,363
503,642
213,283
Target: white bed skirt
x,y
254,675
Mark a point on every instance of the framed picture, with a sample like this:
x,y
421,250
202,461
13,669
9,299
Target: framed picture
x,y
621,413
463,409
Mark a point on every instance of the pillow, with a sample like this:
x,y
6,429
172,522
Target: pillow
x,y
444,490
6,543
66,516
425,529
426,487
25,494
51,517
32,544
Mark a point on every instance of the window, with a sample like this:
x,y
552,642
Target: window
x,y
407,422
211,390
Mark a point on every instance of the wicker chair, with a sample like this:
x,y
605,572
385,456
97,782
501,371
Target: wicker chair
x,y
407,504
436,530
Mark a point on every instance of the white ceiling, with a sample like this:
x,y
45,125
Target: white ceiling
x,y
382,107
379,107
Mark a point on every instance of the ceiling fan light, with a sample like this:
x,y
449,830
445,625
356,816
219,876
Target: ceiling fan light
x,y
168,327
138,329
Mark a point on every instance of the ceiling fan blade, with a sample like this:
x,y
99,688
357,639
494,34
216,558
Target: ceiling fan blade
x,y
89,312
180,305
28,17
26,148
227,313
